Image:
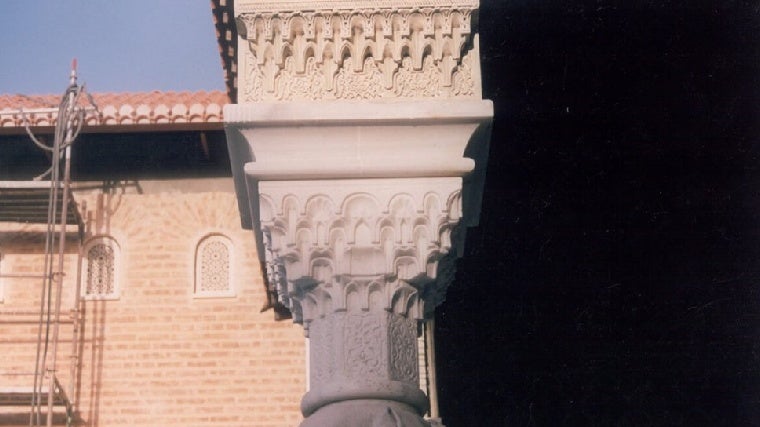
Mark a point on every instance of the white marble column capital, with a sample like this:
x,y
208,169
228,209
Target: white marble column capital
x,y
360,211
344,189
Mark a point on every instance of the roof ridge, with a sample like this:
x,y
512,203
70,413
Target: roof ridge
x,y
154,106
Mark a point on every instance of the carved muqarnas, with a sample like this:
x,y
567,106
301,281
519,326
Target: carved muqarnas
x,y
411,53
360,254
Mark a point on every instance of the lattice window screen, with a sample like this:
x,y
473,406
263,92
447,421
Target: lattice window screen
x,y
100,269
212,267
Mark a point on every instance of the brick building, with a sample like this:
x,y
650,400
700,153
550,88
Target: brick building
x,y
163,315
168,327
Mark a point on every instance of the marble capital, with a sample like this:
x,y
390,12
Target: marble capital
x,y
344,189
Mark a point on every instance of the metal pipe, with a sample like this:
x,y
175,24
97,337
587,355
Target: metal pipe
x,y
34,416
430,353
48,288
76,318
61,248
70,119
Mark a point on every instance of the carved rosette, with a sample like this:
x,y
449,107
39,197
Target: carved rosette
x,y
384,50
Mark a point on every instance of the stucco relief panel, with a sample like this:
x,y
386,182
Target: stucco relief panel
x,y
403,349
360,54
364,340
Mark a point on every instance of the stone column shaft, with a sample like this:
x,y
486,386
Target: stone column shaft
x,y
364,356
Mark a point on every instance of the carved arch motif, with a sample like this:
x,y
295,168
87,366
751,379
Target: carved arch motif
x,y
397,239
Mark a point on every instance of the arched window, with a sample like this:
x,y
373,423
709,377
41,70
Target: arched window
x,y
213,267
100,267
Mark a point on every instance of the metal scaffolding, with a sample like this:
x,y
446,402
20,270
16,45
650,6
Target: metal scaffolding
x,y
48,200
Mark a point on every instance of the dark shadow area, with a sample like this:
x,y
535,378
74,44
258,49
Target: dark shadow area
x,y
21,159
157,155
123,156
615,277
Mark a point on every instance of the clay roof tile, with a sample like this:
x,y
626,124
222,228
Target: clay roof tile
x,y
123,107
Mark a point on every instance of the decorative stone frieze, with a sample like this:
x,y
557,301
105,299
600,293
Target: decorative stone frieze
x,y
358,50
247,6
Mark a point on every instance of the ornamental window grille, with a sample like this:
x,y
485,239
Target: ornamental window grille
x,y
213,267
100,269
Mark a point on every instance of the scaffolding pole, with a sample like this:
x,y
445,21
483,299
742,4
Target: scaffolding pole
x,y
70,120
52,381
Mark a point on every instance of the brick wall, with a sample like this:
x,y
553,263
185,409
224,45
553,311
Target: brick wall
x,y
157,355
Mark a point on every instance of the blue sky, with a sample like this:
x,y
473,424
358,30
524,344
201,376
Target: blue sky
x,y
120,45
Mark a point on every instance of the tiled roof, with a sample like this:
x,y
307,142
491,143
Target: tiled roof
x,y
119,108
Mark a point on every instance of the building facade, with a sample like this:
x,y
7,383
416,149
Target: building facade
x,y
168,328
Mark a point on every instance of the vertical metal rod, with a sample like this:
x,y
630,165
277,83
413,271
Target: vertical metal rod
x,y
58,292
76,325
430,344
61,247
39,369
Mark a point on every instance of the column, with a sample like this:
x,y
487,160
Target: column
x,y
357,262
358,153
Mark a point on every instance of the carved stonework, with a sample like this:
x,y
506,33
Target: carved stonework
x,y
403,349
340,5
366,346
363,354
372,250
359,201
364,341
346,50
